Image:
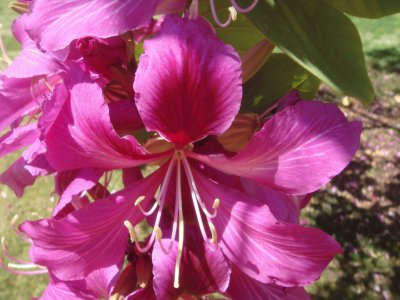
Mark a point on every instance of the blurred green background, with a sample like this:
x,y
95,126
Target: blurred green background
x,y
360,208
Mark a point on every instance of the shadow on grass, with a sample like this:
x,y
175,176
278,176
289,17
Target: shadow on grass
x,y
385,59
369,232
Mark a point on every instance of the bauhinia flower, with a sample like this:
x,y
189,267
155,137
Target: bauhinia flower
x,y
54,24
188,91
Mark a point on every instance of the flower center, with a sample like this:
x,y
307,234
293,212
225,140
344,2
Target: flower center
x,y
179,163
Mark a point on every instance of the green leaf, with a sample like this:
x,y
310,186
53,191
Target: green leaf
x,y
241,33
275,79
318,37
367,8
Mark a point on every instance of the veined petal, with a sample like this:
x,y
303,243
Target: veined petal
x,y
23,171
284,207
84,180
244,287
83,137
66,291
124,117
17,138
297,151
91,238
16,100
199,261
186,88
95,286
263,248
101,281
30,61
141,294
56,23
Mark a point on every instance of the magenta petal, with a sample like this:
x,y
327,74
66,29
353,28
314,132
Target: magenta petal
x,y
187,88
125,117
91,238
263,248
30,61
23,171
83,137
16,100
56,23
243,287
146,293
284,207
199,261
66,291
100,282
95,286
51,108
297,151
84,180
17,138
131,175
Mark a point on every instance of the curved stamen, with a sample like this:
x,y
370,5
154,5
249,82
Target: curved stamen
x,y
214,238
24,266
37,215
160,199
194,197
176,218
19,7
194,190
8,269
216,18
148,212
4,54
244,10
7,253
16,230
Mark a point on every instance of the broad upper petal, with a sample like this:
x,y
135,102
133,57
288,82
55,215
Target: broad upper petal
x,y
262,247
54,24
82,136
92,237
297,151
187,88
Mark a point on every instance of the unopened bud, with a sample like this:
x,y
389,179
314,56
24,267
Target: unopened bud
x,y
255,58
242,129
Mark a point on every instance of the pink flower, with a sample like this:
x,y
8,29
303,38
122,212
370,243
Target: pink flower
x,y
54,24
188,90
